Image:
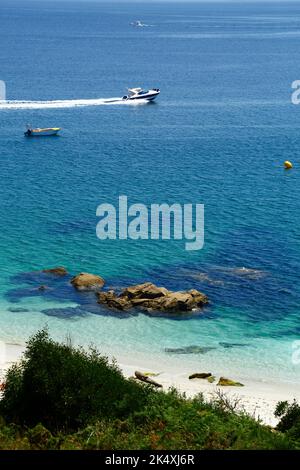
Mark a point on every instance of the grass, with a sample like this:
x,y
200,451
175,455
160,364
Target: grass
x,y
61,397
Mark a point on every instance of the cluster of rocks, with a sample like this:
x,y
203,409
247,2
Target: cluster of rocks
x,y
223,381
148,296
145,296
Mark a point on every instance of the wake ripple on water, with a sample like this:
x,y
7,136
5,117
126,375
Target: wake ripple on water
x,y
7,105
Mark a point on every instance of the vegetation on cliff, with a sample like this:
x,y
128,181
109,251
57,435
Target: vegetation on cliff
x,y
61,397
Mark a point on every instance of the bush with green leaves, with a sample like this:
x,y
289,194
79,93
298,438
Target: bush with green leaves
x,y
61,397
289,414
168,421
66,388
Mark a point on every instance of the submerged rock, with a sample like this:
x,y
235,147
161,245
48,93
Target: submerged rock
x,y
58,271
148,296
87,281
248,273
203,277
18,309
65,312
229,383
232,345
189,350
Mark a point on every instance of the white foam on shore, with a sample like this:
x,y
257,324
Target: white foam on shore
x,y
8,105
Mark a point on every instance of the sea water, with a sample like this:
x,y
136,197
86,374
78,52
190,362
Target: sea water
x,y
218,135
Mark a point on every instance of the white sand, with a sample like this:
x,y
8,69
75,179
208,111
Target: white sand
x,y
10,353
258,399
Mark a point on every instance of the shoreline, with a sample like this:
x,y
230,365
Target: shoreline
x,y
256,398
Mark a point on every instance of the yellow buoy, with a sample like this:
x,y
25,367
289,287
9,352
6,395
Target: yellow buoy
x,y
288,165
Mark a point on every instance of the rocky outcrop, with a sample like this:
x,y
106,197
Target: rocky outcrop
x,y
150,297
146,290
229,383
87,281
113,301
59,271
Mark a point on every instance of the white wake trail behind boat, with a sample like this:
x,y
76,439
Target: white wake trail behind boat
x,y
6,105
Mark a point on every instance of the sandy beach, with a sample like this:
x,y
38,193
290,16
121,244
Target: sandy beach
x,y
257,399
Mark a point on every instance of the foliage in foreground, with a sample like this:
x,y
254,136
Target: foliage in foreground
x,y
66,388
60,397
289,415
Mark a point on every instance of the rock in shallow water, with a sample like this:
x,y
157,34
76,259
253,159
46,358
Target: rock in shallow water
x,y
65,312
87,281
43,288
18,309
148,296
232,345
58,271
190,350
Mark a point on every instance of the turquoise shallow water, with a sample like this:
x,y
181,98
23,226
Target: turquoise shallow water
x,y
218,135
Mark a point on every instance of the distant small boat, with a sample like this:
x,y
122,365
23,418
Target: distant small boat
x,y
41,132
138,24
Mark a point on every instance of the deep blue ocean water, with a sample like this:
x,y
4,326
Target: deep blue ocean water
x,y
218,135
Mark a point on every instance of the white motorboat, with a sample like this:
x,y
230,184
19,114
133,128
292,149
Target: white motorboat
x,y
138,24
48,131
140,94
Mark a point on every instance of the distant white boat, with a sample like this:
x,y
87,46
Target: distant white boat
x,y
139,24
140,94
41,132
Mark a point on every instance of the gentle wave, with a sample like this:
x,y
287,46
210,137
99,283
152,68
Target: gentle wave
x,y
67,103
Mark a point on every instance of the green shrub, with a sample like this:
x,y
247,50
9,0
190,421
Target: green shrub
x,y
60,397
66,388
289,415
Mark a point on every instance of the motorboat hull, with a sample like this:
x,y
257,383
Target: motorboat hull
x,y
42,132
147,96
